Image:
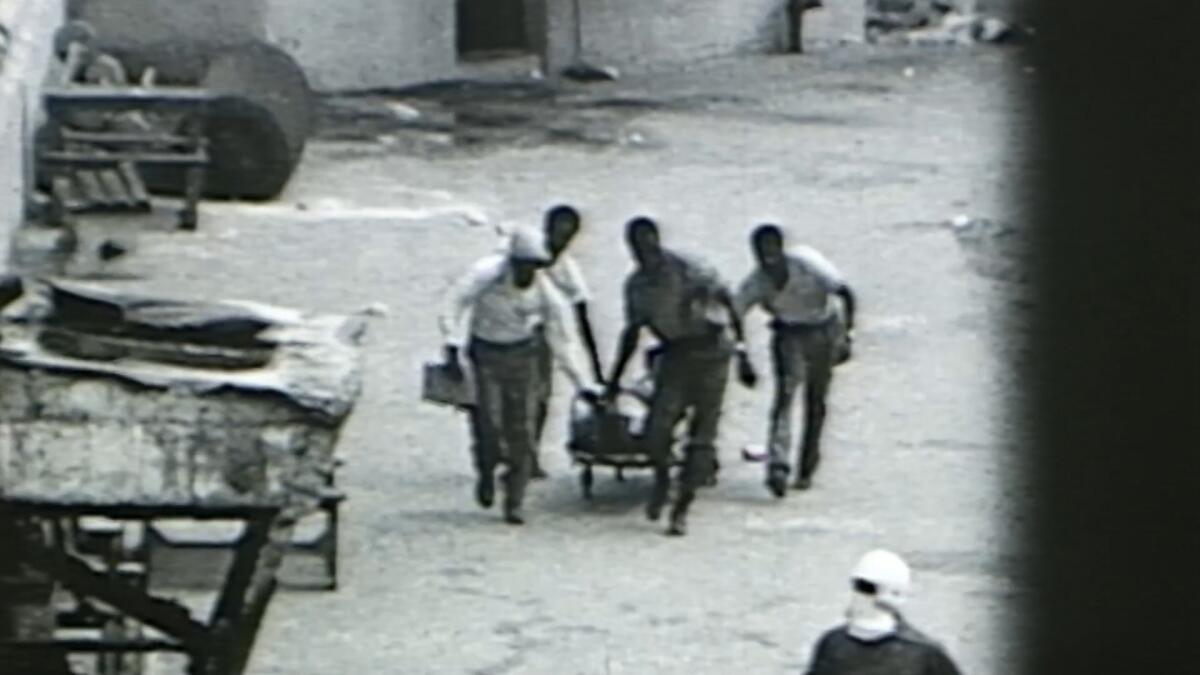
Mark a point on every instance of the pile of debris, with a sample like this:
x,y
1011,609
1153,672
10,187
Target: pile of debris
x,y
116,398
118,411
996,250
936,22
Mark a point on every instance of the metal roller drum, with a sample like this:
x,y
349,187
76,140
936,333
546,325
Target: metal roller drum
x,y
257,127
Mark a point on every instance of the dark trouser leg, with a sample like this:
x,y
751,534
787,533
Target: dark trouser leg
x,y
819,357
520,402
670,383
486,424
544,390
795,12
788,362
709,375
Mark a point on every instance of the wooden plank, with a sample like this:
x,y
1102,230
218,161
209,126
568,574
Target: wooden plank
x,y
94,194
165,615
150,138
97,646
17,506
67,194
134,184
114,185
197,158
250,586
60,99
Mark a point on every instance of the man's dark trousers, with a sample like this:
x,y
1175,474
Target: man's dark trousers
x,y
507,377
545,390
801,355
691,375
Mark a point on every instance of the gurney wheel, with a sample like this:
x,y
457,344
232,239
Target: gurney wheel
x,y
621,474
585,481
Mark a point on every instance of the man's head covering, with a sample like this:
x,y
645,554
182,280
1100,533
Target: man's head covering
x,y
881,581
528,245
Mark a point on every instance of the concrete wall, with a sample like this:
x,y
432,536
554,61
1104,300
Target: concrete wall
x,y
647,33
640,33
340,44
363,44
172,35
139,22
30,26
838,22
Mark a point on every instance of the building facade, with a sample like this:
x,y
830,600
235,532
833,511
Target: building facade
x,y
26,32
365,44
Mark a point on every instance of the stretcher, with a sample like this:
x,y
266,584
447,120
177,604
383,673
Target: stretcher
x,y
609,434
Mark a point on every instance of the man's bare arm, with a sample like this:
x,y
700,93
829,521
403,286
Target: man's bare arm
x,y
851,303
628,344
589,339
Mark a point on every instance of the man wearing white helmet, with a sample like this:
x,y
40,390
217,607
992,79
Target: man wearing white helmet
x,y
876,640
498,312
560,224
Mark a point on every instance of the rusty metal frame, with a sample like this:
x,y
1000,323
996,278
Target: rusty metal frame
x,y
219,646
192,155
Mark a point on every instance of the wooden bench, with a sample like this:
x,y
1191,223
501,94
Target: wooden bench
x,y
97,171
323,546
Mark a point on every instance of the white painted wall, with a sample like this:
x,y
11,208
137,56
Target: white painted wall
x,y
363,44
636,34
838,22
30,25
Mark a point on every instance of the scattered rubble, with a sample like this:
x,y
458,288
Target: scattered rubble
x,y
375,309
935,22
582,72
995,250
111,398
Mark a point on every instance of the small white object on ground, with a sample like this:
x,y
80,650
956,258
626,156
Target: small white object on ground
x,y
910,71
404,111
960,221
375,309
754,453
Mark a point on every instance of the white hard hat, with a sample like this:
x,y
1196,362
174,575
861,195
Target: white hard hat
x,y
528,244
886,572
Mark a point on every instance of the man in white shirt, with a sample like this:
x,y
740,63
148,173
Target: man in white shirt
x,y
497,313
561,225
798,289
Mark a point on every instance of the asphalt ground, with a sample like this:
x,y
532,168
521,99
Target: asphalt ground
x,y
864,154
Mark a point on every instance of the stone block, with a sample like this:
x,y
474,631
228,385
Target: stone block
x,y
134,432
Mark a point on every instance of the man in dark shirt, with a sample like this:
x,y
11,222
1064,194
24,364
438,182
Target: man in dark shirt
x,y
689,309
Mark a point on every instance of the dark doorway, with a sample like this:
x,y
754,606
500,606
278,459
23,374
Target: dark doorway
x,y
492,27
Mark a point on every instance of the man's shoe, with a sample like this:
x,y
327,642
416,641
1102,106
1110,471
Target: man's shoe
x,y
658,499
777,481
678,526
485,491
711,480
803,483
513,515
538,473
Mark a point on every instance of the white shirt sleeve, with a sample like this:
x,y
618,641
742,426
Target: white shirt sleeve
x,y
749,294
568,278
563,344
820,267
455,320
